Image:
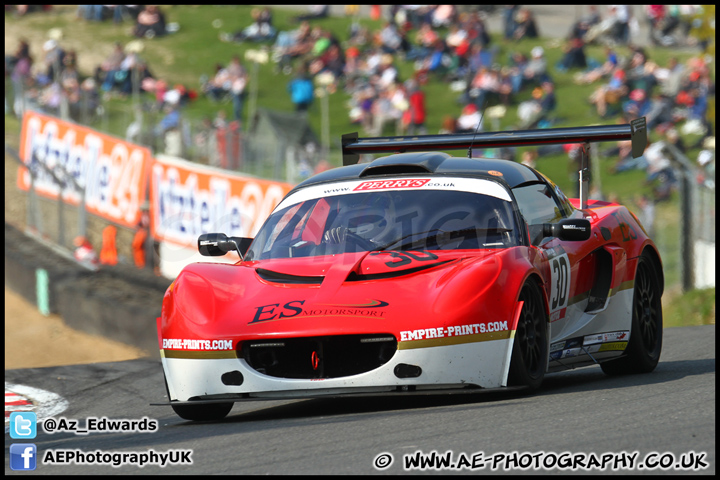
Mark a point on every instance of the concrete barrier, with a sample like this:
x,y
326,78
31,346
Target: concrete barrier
x,y
119,302
24,258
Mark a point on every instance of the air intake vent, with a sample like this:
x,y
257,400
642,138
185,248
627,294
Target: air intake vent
x,y
403,370
278,277
405,163
319,357
232,378
393,170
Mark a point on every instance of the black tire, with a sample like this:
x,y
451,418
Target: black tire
x,y
203,413
200,413
529,356
642,353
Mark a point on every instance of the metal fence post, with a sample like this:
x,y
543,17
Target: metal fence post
x,y
82,214
687,224
686,235
62,178
61,208
32,214
34,217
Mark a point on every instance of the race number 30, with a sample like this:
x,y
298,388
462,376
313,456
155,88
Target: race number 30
x,y
560,271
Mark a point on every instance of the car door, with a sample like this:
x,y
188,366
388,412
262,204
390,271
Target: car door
x,y
564,263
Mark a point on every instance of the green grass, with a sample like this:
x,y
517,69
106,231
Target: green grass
x,y
696,307
184,56
193,51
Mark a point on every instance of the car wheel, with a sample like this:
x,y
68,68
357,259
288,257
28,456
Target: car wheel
x,y
643,350
199,413
529,355
206,412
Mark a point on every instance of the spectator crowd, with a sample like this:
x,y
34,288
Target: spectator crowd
x,y
51,82
385,74
451,44
443,43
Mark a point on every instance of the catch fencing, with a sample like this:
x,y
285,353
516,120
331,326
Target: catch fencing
x,y
685,234
215,142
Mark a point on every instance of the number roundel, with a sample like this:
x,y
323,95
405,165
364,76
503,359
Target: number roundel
x,y
560,270
407,257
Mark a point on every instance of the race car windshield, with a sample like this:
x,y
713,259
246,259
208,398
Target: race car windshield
x,y
387,220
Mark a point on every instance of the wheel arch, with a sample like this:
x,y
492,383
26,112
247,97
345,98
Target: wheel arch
x,y
654,256
512,357
645,344
535,277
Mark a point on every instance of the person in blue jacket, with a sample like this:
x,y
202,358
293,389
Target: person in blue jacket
x,y
301,90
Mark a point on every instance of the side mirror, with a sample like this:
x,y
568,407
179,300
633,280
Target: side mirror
x,y
218,244
570,229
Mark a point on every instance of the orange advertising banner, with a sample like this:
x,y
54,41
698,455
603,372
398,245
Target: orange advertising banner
x,y
187,200
113,172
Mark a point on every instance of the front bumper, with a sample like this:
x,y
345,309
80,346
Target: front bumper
x,y
468,365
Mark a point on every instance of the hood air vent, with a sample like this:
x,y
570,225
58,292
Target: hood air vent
x,y
277,277
405,163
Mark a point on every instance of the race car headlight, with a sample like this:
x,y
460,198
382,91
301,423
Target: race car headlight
x,y
194,298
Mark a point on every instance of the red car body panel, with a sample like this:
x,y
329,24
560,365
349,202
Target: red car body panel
x,y
448,290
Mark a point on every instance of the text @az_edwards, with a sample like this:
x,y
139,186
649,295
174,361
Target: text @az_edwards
x,y
102,424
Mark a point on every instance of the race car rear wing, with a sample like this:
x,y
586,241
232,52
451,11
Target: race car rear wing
x,y
635,131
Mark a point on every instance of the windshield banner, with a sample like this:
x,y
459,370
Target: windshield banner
x,y
189,199
473,185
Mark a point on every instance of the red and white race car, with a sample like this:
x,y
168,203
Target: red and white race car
x,y
418,271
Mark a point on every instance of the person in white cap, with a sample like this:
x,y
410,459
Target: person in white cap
x,y
621,28
53,61
536,69
706,160
704,157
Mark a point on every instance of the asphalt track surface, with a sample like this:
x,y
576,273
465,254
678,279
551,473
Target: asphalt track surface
x,y
670,411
